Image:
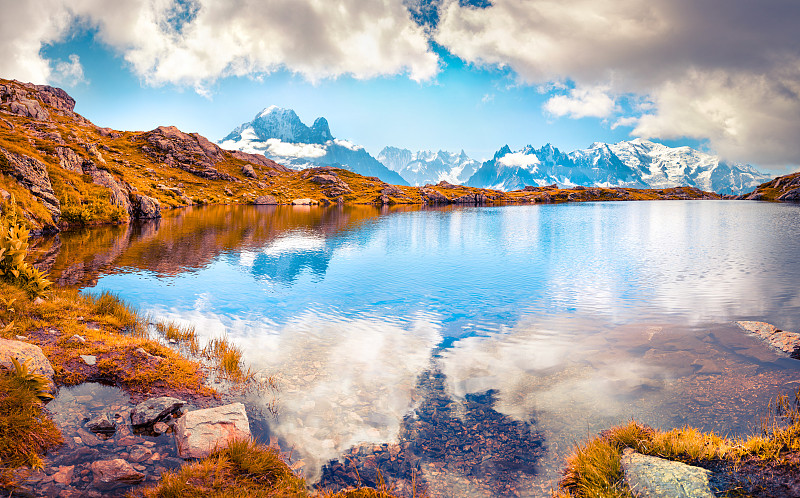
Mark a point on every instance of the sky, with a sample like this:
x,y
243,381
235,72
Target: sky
x,y
719,75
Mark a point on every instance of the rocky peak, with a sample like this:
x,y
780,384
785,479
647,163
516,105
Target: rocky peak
x,y
321,131
27,99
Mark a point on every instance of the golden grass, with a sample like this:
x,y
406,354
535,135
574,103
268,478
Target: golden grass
x,y
26,432
228,359
184,336
243,470
594,469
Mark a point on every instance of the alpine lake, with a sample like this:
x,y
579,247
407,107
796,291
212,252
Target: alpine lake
x,y
467,348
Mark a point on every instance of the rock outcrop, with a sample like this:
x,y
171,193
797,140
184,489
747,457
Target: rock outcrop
x,y
192,153
31,174
22,351
783,188
781,340
199,432
653,477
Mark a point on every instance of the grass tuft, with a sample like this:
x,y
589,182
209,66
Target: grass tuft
x,y
594,468
26,432
183,335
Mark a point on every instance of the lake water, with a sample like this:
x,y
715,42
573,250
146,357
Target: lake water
x,y
470,347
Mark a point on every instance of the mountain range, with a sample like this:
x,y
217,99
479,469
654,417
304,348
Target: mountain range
x,y
281,136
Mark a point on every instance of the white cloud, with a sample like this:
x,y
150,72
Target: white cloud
x,y
167,42
68,73
751,117
276,147
521,160
582,103
716,70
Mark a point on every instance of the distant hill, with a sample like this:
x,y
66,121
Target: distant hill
x,y
280,135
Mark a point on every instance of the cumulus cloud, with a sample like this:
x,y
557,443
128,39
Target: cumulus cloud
x,y
581,103
716,70
68,73
197,41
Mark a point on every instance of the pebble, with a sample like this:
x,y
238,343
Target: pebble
x,y
89,359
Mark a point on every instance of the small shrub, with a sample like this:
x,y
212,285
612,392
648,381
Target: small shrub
x,y
13,249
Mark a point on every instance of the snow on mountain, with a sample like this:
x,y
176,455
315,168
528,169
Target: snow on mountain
x,y
637,163
280,135
425,166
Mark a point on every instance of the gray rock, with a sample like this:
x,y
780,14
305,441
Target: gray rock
x,y
101,425
653,477
23,351
248,171
265,200
200,432
77,339
144,207
110,474
154,409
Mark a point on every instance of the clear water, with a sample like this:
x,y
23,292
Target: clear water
x,y
574,317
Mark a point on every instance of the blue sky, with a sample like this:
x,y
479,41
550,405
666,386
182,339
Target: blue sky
x,y
431,74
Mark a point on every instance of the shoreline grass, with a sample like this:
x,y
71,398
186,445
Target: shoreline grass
x,y
594,469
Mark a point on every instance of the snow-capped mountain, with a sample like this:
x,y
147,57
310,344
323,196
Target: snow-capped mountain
x,y
280,135
637,163
425,166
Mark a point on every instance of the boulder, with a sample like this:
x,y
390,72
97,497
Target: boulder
x,y
144,207
101,425
23,351
653,477
110,474
303,202
200,432
248,171
154,409
265,200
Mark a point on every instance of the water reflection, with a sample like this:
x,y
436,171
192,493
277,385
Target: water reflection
x,y
398,328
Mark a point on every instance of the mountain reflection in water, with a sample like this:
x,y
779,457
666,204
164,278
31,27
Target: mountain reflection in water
x,y
448,343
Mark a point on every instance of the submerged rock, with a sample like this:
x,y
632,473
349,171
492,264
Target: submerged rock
x,y
101,425
199,432
110,474
154,409
653,477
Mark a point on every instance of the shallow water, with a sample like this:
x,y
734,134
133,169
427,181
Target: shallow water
x,y
433,328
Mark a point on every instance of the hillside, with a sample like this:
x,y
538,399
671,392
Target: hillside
x,y
782,188
65,171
